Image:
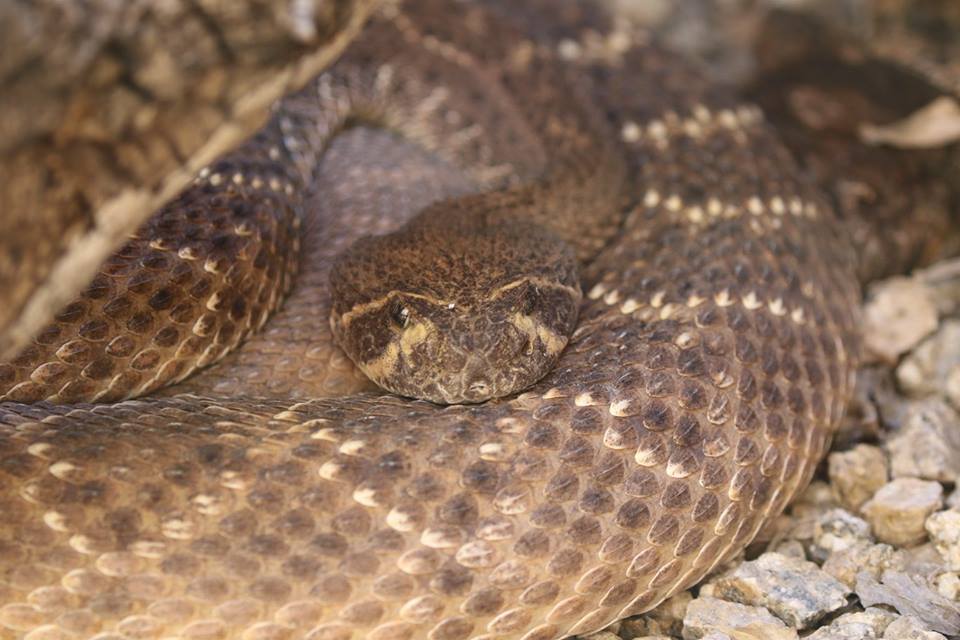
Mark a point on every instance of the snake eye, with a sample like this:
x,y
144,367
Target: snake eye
x,y
400,315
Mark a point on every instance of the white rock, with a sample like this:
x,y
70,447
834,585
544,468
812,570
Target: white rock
x,y
837,530
948,585
899,313
925,370
898,510
844,565
862,625
856,474
944,530
910,628
928,444
796,591
710,615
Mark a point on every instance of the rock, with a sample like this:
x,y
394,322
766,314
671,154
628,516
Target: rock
x,y
899,313
602,635
910,595
924,371
707,615
807,509
952,387
817,497
634,628
844,565
861,625
897,511
943,278
790,548
910,628
867,412
948,585
856,474
796,591
667,618
944,530
928,444
921,560
837,530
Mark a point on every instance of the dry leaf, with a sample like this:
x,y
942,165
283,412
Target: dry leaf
x,y
935,125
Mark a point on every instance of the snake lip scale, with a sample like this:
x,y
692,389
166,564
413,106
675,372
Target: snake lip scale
x,y
713,354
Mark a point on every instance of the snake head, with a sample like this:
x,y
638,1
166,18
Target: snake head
x,y
458,314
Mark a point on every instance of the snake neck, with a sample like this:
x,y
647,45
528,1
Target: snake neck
x,y
552,156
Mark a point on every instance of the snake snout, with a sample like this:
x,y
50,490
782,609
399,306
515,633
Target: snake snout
x,y
477,385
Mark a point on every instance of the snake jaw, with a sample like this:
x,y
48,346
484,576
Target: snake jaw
x,y
455,307
451,353
448,356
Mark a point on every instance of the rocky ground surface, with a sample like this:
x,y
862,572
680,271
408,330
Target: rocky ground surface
x,y
872,548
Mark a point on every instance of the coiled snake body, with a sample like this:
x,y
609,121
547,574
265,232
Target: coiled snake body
x,y
713,357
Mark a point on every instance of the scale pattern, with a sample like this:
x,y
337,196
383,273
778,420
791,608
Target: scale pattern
x,y
712,361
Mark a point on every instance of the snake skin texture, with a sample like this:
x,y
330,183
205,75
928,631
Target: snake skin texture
x,y
714,354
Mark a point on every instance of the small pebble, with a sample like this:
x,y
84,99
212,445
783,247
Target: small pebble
x,y
817,497
943,278
897,511
944,530
837,530
861,625
667,619
645,627
602,635
900,312
707,615
856,474
796,591
928,444
633,628
948,585
952,387
924,371
808,509
791,549
910,628
874,559
910,595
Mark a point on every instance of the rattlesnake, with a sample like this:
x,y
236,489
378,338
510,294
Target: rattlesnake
x,y
713,357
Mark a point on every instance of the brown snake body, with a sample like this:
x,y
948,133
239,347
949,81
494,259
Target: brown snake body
x,y
712,360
